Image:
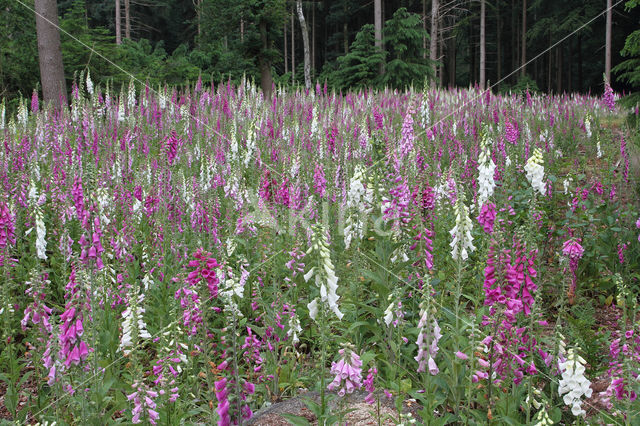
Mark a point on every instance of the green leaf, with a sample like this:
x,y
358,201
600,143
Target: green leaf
x,y
296,420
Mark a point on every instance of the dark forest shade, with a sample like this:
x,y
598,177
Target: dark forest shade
x,y
176,41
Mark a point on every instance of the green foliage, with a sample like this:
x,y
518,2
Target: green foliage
x,y
403,37
406,66
360,67
77,40
19,70
629,70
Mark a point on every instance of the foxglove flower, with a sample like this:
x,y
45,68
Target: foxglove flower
x,y
587,125
7,229
348,372
41,230
133,325
428,334
574,384
461,233
359,202
486,170
608,98
427,343
406,143
324,272
535,171
143,401
487,217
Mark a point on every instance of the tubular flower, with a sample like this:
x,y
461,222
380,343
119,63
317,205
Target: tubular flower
x,y
324,273
461,233
133,325
347,369
574,384
486,170
535,171
428,336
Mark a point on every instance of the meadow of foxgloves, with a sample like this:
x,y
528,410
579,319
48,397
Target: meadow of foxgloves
x,y
180,256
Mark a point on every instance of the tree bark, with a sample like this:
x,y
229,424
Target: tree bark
x,y
580,87
345,30
433,45
523,55
293,51
377,24
305,44
49,52
266,80
118,23
424,29
483,53
127,21
313,39
499,41
286,53
451,56
607,59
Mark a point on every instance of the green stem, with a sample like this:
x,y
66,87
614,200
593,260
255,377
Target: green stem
x,y
235,369
323,341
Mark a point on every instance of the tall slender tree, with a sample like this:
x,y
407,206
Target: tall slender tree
x,y
523,55
483,53
377,23
433,46
305,44
127,20
607,54
49,51
118,24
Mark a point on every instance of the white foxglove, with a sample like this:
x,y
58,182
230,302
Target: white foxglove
x,y
324,272
133,325
535,171
574,384
486,170
587,126
89,83
462,241
359,201
23,114
294,329
41,232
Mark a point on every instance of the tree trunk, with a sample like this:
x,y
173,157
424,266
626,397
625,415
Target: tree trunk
x,y
483,53
523,55
607,54
433,46
424,29
377,23
499,41
241,30
127,21
118,28
580,87
549,70
286,53
313,39
293,51
266,80
451,56
49,52
558,70
514,44
345,30
305,43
